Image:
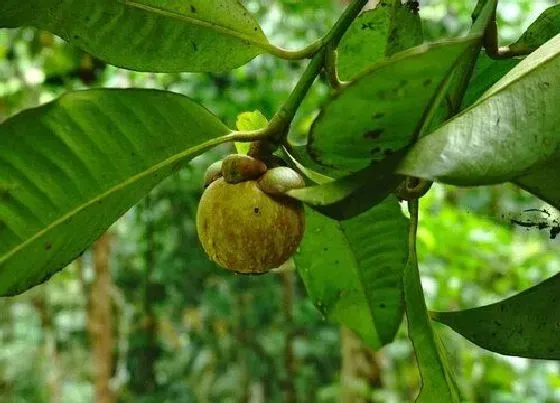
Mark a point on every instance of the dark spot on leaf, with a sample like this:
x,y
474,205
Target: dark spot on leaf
x,y
256,210
337,261
544,85
368,26
194,46
428,82
497,323
193,9
325,249
498,122
403,83
382,306
315,155
48,245
378,115
256,29
76,37
493,334
373,134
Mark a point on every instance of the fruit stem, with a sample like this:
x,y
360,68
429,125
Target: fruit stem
x,y
277,130
331,40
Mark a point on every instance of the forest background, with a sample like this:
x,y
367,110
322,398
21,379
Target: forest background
x,y
144,316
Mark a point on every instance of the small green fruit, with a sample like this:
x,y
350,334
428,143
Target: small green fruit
x,y
246,230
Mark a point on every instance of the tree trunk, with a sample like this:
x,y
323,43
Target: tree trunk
x,y
50,352
289,362
100,321
149,352
361,372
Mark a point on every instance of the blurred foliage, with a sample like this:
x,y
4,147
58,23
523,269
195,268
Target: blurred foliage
x,y
214,337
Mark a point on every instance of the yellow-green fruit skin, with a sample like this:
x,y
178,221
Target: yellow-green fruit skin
x,y
246,230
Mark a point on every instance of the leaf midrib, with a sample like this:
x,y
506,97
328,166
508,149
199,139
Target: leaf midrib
x,y
266,46
361,281
169,161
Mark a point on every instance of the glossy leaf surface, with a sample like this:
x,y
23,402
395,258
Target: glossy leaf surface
x,y
438,383
525,325
512,129
148,35
70,168
387,29
379,112
353,269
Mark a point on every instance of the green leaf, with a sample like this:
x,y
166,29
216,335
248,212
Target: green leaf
x,y
488,71
247,121
148,35
70,168
526,325
455,92
353,269
346,197
546,27
251,121
387,29
313,176
510,130
438,384
542,181
482,16
381,111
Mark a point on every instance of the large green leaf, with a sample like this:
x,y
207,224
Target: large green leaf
x,y
438,383
546,27
488,71
148,35
509,131
247,121
381,111
526,325
387,29
353,269
455,91
72,167
542,181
